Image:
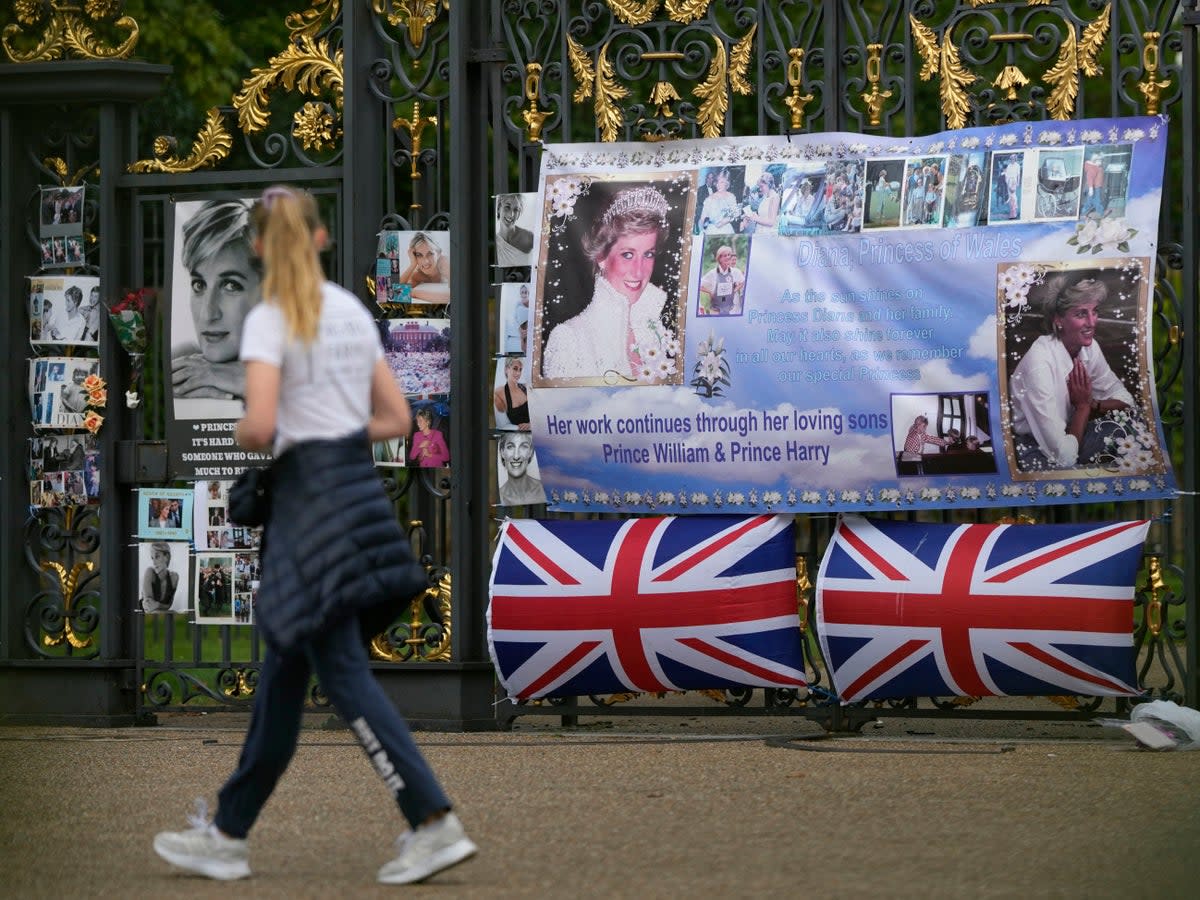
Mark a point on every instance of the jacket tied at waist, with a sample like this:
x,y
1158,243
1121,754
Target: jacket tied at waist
x,y
332,546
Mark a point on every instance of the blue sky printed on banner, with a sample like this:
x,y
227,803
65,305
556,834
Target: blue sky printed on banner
x,y
845,337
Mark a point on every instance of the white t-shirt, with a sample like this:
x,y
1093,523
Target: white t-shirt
x,y
325,390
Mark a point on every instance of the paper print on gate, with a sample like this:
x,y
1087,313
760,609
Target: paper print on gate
x,y
651,604
915,609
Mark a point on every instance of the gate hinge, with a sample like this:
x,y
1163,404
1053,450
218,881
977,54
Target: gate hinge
x,y
141,462
487,55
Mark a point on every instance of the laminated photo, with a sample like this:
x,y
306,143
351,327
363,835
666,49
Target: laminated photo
x,y
65,310
57,390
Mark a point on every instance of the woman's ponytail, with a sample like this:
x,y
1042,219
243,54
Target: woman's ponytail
x,y
286,222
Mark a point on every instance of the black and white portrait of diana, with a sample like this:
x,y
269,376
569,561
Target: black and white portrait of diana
x,y
214,283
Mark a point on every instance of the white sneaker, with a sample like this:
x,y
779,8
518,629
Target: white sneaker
x,y
204,850
428,850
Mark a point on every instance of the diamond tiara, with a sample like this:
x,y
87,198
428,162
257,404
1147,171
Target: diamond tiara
x,y
637,199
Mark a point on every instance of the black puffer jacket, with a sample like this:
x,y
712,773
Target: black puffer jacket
x,y
332,546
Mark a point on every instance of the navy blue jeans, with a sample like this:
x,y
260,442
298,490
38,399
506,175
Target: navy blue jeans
x,y
339,659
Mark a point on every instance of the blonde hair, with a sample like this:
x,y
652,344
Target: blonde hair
x,y
286,221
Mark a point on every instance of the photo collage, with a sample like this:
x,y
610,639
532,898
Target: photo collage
x,y
412,289
179,526
67,396
517,477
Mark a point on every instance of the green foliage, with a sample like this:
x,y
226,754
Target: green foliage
x,y
213,46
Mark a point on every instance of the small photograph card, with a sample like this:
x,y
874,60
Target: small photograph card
x,y
65,310
165,513
64,470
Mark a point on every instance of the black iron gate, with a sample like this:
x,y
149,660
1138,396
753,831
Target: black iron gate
x,y
411,115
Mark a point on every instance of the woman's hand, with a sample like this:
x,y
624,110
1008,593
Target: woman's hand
x,y
194,376
1079,387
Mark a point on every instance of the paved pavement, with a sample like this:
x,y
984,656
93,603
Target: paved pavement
x,y
652,807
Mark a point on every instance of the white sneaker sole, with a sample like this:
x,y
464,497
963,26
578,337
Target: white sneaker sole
x,y
460,851
221,870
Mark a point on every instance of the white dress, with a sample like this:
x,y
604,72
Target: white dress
x,y
596,341
718,213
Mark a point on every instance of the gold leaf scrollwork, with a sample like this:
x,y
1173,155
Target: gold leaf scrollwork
x,y
314,125
953,87
581,67
739,63
58,165
212,145
67,583
382,648
714,99
307,66
607,93
442,596
685,11
943,59
67,32
311,21
1074,56
639,12
632,12
599,84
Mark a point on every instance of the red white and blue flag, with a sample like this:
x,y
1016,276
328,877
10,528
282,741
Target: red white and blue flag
x,y
645,605
911,609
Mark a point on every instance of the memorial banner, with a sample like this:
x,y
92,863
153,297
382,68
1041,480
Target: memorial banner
x,y
849,322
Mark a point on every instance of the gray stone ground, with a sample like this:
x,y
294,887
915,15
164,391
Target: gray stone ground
x,y
619,807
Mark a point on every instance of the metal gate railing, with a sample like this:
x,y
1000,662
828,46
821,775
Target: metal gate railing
x,y
408,115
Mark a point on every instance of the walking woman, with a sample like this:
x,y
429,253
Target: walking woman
x,y
318,391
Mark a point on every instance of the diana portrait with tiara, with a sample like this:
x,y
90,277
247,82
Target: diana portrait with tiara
x,y
621,335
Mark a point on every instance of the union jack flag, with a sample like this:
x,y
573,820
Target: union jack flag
x,y
907,609
654,604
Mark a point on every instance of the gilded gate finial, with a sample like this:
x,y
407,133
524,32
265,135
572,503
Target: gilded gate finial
x,y
803,586
66,30
415,15
415,126
1011,80
533,116
1154,587
795,101
1152,88
874,98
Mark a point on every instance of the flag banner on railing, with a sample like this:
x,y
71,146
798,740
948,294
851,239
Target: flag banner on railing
x,y
850,322
645,605
917,609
